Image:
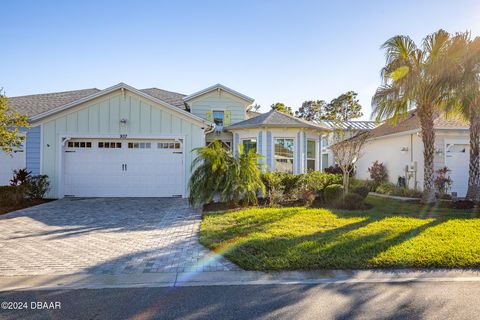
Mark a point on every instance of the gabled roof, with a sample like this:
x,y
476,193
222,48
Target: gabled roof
x,y
98,93
35,104
276,118
411,122
350,125
219,86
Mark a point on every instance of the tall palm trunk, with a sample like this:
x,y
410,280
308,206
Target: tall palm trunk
x,y
474,167
428,139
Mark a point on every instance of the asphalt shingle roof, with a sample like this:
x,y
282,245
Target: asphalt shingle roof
x,y
411,121
32,105
275,118
173,98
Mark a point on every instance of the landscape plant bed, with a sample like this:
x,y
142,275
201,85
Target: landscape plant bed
x,y
6,208
393,234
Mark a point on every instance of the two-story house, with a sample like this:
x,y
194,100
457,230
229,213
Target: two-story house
x,y
122,141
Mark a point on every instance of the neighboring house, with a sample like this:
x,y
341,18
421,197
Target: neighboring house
x,y
348,129
122,141
400,148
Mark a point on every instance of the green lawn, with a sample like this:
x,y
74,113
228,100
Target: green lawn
x,y
392,234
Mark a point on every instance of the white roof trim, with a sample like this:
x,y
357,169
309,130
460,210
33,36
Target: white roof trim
x,y
222,87
112,89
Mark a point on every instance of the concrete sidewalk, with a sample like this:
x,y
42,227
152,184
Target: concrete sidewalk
x,y
178,279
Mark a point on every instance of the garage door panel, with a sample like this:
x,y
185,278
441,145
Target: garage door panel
x,y
137,169
457,160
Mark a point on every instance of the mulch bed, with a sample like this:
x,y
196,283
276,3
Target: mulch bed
x,y
6,208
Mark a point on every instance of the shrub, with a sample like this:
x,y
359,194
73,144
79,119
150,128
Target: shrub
x,y
12,194
332,192
387,188
362,191
411,193
20,177
306,196
378,172
463,204
273,187
337,170
37,186
442,182
394,190
291,184
317,181
350,201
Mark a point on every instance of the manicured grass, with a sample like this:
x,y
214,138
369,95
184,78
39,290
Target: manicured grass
x,y
392,234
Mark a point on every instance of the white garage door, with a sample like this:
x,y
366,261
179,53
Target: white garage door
x,y
8,163
123,168
457,160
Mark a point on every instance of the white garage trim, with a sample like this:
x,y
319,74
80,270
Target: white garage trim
x,y
64,138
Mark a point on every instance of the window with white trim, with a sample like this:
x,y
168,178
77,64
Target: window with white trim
x,y
457,148
284,153
311,155
169,145
139,145
109,145
79,144
249,144
218,117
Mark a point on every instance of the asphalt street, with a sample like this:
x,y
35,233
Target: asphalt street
x,y
414,300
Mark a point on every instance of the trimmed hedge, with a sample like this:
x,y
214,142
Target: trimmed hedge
x,y
13,194
332,193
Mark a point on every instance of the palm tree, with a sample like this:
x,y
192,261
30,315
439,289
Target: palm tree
x,y
415,78
217,172
465,56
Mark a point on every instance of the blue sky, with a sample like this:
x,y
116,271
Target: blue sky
x,y
287,51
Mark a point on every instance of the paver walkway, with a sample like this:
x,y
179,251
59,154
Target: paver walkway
x,y
105,236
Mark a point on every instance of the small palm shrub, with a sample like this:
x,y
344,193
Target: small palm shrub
x,y
217,172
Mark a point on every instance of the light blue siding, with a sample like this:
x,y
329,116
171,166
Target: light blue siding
x,y
297,156
269,151
304,152
237,142
260,145
33,150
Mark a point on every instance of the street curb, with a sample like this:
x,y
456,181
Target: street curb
x,y
185,279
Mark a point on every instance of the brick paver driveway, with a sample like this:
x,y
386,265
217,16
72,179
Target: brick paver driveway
x,y
105,236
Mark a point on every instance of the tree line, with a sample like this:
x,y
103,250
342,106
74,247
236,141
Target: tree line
x,y
343,108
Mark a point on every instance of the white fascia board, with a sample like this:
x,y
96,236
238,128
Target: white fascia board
x,y
222,87
112,89
403,133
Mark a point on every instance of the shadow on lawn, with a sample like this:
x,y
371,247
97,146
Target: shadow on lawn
x,y
350,246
